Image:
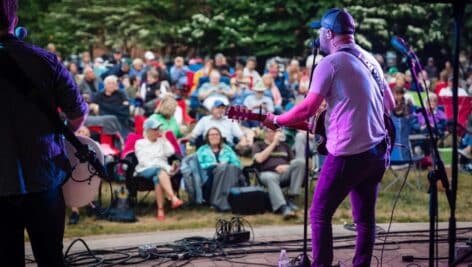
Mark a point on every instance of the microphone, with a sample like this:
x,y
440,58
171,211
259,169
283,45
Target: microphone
x,y
21,32
315,43
400,45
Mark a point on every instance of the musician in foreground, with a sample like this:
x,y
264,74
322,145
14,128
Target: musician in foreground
x,y
33,164
356,135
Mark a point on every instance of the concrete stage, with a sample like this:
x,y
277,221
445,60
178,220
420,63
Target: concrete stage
x,y
277,237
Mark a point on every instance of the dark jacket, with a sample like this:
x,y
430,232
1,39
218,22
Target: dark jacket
x,y
31,155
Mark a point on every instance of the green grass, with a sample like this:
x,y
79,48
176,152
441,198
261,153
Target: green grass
x,y
412,207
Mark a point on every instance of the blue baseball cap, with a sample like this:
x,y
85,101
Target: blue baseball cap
x,y
151,123
336,19
218,103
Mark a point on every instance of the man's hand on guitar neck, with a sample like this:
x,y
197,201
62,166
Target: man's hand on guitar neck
x,y
269,121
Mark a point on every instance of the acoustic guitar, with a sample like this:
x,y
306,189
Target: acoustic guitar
x,y
82,187
317,127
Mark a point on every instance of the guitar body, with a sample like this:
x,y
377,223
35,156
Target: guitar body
x,y
320,133
79,190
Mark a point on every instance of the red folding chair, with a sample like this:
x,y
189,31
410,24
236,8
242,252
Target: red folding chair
x,y
464,108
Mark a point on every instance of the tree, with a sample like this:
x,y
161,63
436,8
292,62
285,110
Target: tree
x,y
77,25
255,27
244,27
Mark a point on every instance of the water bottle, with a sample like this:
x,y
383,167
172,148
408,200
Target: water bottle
x,y
283,259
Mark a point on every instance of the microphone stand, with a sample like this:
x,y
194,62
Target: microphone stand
x,y
305,261
459,8
437,174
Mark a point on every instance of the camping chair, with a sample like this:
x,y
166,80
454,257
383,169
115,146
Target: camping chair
x,y
135,183
402,157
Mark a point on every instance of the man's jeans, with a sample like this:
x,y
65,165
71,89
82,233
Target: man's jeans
x,y
357,175
43,216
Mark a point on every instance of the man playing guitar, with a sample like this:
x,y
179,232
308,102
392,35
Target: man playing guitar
x,y
356,135
32,159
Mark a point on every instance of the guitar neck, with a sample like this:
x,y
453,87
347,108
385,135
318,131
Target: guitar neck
x,y
261,117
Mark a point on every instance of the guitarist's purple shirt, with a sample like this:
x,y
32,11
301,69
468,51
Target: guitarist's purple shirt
x,y
32,157
354,119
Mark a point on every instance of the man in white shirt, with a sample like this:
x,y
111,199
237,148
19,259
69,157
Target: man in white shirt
x,y
230,130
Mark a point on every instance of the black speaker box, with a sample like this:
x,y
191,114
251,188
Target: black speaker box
x,y
248,200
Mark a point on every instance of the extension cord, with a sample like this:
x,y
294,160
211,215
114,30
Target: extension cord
x,y
147,251
236,237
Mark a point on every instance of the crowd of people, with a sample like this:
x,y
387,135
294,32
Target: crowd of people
x,y
189,97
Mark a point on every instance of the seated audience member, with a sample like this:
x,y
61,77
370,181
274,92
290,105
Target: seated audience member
x,y
229,129
259,102
435,116
152,153
292,79
152,89
203,72
403,104
278,78
300,140
467,140
223,169
221,65
89,86
112,101
240,85
277,166
443,82
118,70
399,82
272,91
215,90
132,91
137,69
250,71
447,91
178,73
165,114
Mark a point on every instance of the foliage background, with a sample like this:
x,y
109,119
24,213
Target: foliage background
x,y
241,27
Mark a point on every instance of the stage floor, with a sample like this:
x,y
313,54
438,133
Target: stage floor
x,y
268,241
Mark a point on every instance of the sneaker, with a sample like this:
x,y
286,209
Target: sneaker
x,y
74,218
292,205
465,153
286,212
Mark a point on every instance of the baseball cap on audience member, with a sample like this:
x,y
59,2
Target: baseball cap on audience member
x,y
151,123
218,103
116,50
336,19
149,55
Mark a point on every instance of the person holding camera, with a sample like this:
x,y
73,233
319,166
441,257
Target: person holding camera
x,y
215,90
275,161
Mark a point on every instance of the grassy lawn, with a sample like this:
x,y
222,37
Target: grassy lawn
x,y
412,207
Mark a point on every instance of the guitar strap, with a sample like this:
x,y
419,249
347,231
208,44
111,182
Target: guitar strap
x,y
379,80
13,73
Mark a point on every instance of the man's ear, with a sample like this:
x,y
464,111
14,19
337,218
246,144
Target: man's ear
x,y
329,34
